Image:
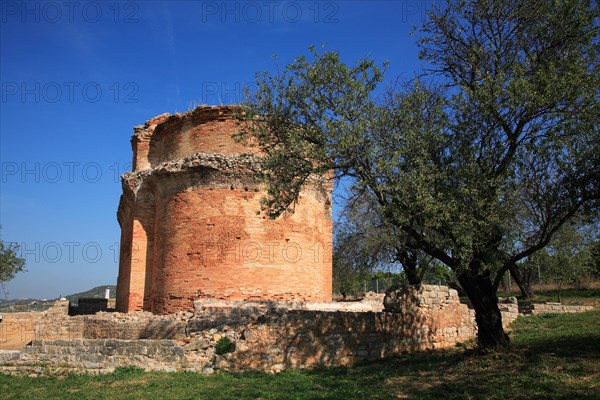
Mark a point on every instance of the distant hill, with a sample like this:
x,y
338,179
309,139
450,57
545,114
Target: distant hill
x,y
97,292
6,303
37,304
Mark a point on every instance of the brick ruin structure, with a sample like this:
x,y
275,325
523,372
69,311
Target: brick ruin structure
x,y
265,336
190,227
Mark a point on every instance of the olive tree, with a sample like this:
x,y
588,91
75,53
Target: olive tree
x,y
371,240
479,162
10,262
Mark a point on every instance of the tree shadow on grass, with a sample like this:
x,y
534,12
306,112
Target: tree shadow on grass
x,y
561,368
585,346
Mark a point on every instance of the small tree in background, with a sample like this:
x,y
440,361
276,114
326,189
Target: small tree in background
x,y
377,243
10,263
595,258
567,259
350,265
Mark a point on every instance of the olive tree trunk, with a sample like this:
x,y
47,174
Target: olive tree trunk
x,y
482,294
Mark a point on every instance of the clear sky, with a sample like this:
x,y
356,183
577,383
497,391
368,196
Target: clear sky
x,y
76,76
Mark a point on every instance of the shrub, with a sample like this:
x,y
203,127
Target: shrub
x,y
223,345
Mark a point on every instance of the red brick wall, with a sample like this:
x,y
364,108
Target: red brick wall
x,y
196,136
196,234
211,244
203,130
125,253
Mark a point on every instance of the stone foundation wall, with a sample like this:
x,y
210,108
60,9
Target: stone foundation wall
x,y
92,356
133,326
267,336
552,308
509,308
18,329
438,308
276,340
263,336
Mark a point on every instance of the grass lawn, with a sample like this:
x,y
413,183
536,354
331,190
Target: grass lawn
x,y
552,357
589,297
569,296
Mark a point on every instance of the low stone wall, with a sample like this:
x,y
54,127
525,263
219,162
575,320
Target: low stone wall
x,y
92,356
307,339
509,308
276,340
139,325
18,329
552,308
438,308
265,336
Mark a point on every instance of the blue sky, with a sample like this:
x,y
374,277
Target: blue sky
x,y
77,76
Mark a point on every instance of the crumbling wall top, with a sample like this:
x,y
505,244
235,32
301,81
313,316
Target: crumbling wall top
x,y
205,129
167,122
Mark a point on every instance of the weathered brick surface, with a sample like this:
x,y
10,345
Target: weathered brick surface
x,y
190,228
202,130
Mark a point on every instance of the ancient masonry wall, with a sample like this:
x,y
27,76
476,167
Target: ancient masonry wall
x,y
265,336
553,308
190,227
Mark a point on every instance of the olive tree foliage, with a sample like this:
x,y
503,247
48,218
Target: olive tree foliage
x,y
595,258
568,258
479,169
364,236
10,263
350,267
532,84
524,115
